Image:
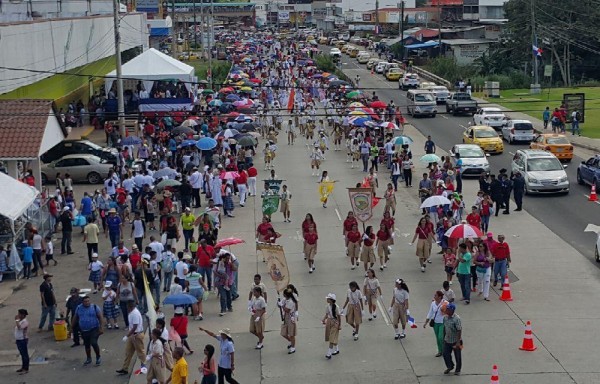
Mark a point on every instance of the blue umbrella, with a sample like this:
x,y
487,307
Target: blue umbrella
x,y
131,140
232,97
180,299
188,143
206,143
360,122
215,103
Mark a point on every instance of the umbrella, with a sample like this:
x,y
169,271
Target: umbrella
x,y
430,158
337,83
227,133
388,125
168,183
164,173
244,118
232,97
317,76
215,103
246,89
245,127
435,201
378,104
253,134
189,123
246,141
353,94
182,129
463,231
356,104
402,140
359,122
208,91
256,81
180,299
226,90
187,143
131,140
325,74
206,143
239,103
229,241
230,175
357,113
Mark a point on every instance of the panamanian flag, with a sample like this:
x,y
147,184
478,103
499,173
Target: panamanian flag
x,y
537,51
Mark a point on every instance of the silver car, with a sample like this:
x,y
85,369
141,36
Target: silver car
x,y
82,168
474,159
542,171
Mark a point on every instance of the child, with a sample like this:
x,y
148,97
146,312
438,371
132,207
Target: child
x,y
50,251
399,308
150,213
180,323
109,308
285,197
257,283
372,290
332,323
95,269
354,301
175,288
193,246
449,264
27,260
449,295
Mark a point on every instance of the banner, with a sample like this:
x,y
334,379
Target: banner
x,y
270,204
290,104
152,316
273,185
276,264
361,202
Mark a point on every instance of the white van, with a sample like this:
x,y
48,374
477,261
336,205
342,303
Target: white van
x,y
421,103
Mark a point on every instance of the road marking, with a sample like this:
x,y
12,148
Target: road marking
x,y
462,126
512,154
444,117
338,214
588,197
384,313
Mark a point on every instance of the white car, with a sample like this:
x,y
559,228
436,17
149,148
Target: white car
x,y
335,52
381,66
474,159
440,92
363,58
490,116
518,130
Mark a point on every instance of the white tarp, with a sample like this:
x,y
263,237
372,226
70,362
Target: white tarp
x,y
153,65
15,197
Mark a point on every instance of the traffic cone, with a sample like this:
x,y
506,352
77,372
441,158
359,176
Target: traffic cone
x,y
494,379
528,339
371,71
593,196
506,295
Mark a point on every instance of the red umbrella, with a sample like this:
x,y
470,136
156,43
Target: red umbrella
x,y
256,81
226,90
229,241
378,104
463,231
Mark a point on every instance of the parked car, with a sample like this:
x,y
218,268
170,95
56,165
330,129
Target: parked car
x,y
490,116
81,147
557,144
82,168
460,102
440,93
588,172
518,130
542,171
474,159
408,81
486,137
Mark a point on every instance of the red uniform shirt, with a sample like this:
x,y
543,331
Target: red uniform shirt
x,y
311,238
423,232
369,242
348,223
242,178
134,259
263,229
389,223
383,235
306,224
252,172
353,237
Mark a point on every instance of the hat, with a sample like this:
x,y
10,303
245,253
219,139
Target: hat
x,y
451,307
399,281
187,209
46,275
331,296
94,255
67,208
108,284
74,290
134,246
450,173
226,332
490,234
179,311
146,256
112,210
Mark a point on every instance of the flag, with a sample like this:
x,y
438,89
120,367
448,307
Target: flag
x,y
290,104
361,200
411,321
276,264
537,51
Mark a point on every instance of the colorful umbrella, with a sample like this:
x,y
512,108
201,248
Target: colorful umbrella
x,y
206,143
463,231
246,89
388,125
356,104
215,103
256,81
229,241
226,90
232,97
354,95
378,104
325,74
402,140
230,175
208,92
357,113
359,122
227,133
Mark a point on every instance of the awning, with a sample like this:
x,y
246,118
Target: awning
x,y
428,44
16,197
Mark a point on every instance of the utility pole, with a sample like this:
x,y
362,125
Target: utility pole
x,y
173,31
296,15
376,17
401,31
210,44
535,87
203,36
195,32
439,27
120,100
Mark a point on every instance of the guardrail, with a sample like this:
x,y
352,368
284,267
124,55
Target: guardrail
x,y
429,76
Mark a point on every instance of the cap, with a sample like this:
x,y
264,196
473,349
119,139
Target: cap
x,y
74,290
108,284
187,209
331,296
490,234
134,246
146,256
94,255
451,307
67,208
179,311
399,281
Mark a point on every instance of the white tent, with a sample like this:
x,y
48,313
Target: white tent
x,y
153,65
16,197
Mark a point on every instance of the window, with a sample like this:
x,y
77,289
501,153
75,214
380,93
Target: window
x,y
64,163
80,162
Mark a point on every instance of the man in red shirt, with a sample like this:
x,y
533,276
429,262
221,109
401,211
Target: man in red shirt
x,y
242,183
252,173
135,257
474,218
501,253
205,254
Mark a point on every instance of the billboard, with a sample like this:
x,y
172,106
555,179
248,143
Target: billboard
x,y
572,102
283,16
392,17
367,17
149,6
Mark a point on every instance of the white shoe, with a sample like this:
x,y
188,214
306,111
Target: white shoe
x,y
374,315
384,265
423,269
381,267
258,346
356,337
352,267
310,270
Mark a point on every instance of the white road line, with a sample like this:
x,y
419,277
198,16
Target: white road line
x,y
512,154
462,126
444,117
383,312
338,214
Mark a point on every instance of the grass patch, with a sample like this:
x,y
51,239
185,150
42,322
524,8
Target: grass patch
x,y
220,70
520,100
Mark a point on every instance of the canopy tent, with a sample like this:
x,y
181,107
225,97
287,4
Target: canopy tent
x,y
16,197
428,44
153,65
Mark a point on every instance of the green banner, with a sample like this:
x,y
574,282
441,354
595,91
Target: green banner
x,y
270,204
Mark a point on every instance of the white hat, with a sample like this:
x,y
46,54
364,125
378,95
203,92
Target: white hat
x,y
108,284
94,255
146,256
179,311
67,208
331,296
399,281
226,331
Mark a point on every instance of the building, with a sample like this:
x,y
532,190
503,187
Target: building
x,y
327,15
476,10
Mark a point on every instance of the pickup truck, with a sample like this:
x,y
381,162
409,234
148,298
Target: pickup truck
x,y
588,172
461,102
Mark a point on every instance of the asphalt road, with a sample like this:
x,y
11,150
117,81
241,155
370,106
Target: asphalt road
x,y
565,215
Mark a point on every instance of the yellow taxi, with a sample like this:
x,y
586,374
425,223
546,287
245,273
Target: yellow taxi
x,y
340,43
323,40
394,74
557,144
353,52
345,48
486,137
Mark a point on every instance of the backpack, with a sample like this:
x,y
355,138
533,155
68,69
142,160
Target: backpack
x,y
578,116
167,263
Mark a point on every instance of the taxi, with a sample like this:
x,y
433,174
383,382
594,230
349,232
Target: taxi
x,y
555,143
345,48
394,74
486,137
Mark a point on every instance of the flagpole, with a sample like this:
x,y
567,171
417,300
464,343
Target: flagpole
x,y
535,87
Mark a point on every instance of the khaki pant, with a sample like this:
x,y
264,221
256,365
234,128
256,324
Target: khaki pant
x,y
310,250
354,314
134,343
332,331
168,356
257,327
367,255
382,248
398,315
157,370
353,250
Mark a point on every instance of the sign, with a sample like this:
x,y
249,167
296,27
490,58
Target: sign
x,y
283,16
273,185
393,17
574,102
270,203
548,70
366,17
149,6
277,266
361,202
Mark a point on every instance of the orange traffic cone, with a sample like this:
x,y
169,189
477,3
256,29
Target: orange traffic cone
x,y
494,379
593,196
528,339
371,71
506,295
